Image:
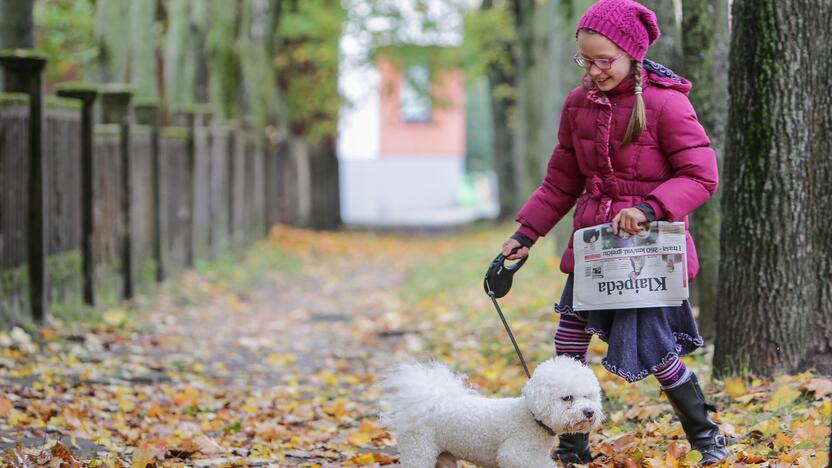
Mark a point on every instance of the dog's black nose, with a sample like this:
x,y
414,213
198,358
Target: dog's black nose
x,y
588,413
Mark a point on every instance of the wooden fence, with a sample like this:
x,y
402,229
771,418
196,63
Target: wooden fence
x,y
99,202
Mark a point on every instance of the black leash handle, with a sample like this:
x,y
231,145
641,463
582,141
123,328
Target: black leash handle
x,y
497,267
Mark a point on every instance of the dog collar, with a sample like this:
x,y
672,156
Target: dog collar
x,y
545,427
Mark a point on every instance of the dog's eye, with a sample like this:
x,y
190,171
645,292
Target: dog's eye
x,y
566,398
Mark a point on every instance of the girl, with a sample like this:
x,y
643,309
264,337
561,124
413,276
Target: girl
x,y
631,150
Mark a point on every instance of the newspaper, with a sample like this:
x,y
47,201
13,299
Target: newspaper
x,y
648,269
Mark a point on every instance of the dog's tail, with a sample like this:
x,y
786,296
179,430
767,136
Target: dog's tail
x,y
413,392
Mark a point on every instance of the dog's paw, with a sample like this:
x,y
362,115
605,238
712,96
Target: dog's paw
x,y
446,460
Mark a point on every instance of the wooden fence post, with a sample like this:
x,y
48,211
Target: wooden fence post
x,y
116,109
22,73
186,118
148,113
202,175
87,96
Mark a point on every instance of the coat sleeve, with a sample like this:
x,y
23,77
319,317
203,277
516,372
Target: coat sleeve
x,y
688,150
562,185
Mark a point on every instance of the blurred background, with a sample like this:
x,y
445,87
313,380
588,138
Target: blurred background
x,y
223,118
209,206
439,112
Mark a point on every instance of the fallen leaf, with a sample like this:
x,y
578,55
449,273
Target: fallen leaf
x,y
782,397
735,387
820,387
142,457
5,406
114,317
693,457
782,441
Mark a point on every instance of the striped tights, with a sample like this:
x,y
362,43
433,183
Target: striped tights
x,y
572,339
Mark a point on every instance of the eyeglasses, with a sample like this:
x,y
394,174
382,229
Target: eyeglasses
x,y
602,64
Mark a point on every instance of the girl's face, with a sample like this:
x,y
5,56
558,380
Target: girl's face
x,y
596,46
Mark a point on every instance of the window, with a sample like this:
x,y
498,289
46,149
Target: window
x,y
416,104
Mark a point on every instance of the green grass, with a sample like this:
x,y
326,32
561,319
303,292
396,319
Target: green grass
x,y
243,271
464,266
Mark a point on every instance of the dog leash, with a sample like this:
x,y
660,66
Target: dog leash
x,y
497,283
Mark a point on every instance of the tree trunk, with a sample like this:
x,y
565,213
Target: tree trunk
x,y
501,78
16,24
668,49
542,81
224,58
525,61
180,59
776,239
705,38
112,28
143,48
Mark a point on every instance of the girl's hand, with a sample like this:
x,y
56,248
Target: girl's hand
x,y
509,245
629,220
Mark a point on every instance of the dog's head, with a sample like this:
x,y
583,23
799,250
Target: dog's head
x,y
564,394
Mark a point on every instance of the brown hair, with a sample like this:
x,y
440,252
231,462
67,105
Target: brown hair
x,y
638,119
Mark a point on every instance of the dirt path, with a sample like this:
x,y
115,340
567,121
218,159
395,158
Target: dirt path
x,y
282,374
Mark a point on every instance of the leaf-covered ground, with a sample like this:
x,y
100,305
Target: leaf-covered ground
x,y
273,358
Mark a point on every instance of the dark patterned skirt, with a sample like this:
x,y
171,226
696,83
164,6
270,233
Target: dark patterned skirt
x,y
640,340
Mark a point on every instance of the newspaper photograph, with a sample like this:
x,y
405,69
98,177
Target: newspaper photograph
x,y
624,271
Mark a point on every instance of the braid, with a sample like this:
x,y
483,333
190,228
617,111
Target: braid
x,y
638,119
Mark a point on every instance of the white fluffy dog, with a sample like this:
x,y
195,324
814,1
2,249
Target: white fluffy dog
x,y
436,419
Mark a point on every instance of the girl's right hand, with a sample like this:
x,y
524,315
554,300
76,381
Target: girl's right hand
x,y
510,245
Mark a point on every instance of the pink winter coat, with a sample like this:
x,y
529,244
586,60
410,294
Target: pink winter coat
x,y
670,166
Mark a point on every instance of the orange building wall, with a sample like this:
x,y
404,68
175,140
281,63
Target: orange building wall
x,y
443,135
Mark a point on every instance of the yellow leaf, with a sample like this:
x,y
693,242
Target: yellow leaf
x,y
363,459
360,438
188,397
822,458
693,457
735,387
782,441
124,404
114,317
769,426
329,378
782,397
142,457
826,409
17,418
281,360
785,458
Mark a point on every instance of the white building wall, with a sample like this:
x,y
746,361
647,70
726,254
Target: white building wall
x,y
395,190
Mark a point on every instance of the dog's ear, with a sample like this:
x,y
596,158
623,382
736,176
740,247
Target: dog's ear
x,y
537,398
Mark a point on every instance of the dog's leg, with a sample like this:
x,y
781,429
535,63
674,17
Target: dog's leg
x,y
417,450
418,458
446,460
525,453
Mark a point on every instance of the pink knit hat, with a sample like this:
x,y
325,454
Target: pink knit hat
x,y
629,24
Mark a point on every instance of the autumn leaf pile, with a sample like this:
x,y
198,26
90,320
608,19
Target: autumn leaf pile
x,y
272,358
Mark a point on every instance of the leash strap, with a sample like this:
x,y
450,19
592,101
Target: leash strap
x,y
508,329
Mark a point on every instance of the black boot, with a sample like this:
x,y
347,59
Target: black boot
x,y
573,448
703,433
